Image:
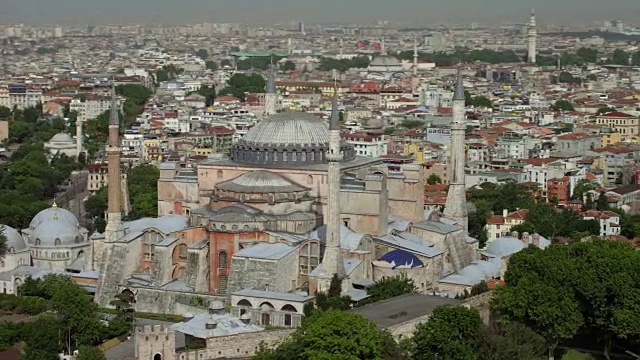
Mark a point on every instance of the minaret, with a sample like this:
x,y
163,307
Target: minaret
x,y
114,229
456,205
78,137
532,34
332,262
383,48
271,96
415,56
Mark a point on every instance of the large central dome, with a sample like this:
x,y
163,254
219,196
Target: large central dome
x,y
289,128
287,139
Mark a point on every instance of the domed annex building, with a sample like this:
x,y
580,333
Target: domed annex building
x,y
54,242
62,143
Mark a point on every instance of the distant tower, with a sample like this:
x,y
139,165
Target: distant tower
x,y
456,205
114,229
383,48
415,56
301,29
289,46
341,48
332,262
271,96
532,34
78,137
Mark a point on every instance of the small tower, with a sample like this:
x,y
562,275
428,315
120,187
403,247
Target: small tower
x,y
332,262
271,96
532,34
114,229
456,205
79,138
383,48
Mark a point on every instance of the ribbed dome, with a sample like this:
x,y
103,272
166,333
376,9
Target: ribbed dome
x,y
260,182
14,240
61,138
55,227
289,128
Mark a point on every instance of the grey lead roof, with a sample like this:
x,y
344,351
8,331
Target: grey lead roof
x,y
261,181
289,128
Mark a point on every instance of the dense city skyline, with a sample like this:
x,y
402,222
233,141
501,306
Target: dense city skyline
x,y
410,11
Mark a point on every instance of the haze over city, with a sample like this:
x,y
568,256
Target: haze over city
x,y
417,12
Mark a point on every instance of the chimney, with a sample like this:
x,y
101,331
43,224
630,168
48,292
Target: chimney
x,y
536,239
245,318
526,239
211,324
505,212
514,234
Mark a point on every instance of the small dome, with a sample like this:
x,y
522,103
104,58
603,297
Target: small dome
x,y
385,60
61,138
245,316
55,227
289,128
261,182
505,246
14,240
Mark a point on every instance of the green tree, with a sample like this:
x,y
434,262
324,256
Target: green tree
x,y
562,105
412,124
434,179
5,112
90,353
240,83
209,92
451,333
389,287
3,242
481,101
333,299
619,57
512,340
42,339
602,203
604,110
211,65
202,54
288,66
583,186
142,181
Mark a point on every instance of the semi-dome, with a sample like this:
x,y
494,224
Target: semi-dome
x,y
261,182
505,246
61,138
15,242
287,139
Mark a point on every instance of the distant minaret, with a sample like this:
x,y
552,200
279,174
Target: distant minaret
x,y
332,262
271,96
415,56
383,48
289,46
532,34
114,229
456,205
78,137
341,48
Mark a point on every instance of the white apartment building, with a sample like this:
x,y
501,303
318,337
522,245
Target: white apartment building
x,y
20,96
368,145
609,221
89,107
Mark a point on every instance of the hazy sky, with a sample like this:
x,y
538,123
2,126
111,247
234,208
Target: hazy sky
x,y
419,12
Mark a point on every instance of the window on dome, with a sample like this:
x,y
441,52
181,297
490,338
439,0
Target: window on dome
x,y
38,242
56,242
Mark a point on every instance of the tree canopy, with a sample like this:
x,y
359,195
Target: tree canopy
x,y
562,105
240,83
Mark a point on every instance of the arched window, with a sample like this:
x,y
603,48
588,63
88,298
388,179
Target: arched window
x,y
244,302
12,249
77,240
245,228
309,257
2,263
223,260
223,227
220,174
38,242
157,357
56,242
182,252
234,227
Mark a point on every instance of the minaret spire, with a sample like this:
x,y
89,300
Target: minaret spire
x,y
532,34
415,56
332,262
114,229
456,205
271,96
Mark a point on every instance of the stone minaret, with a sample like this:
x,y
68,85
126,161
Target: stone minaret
x,y
332,262
532,34
114,229
78,137
415,56
383,48
456,205
271,96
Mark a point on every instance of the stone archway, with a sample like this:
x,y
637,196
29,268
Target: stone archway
x,y
157,357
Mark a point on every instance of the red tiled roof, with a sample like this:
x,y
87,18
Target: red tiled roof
x,y
617,114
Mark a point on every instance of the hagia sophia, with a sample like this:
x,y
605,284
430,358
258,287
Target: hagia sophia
x,y
269,224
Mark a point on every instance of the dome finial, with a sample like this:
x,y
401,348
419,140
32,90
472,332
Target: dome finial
x,y
54,205
292,107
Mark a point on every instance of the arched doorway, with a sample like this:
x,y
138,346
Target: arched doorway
x,y
157,357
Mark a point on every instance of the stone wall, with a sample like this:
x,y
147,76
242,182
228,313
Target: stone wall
x,y
169,302
157,339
